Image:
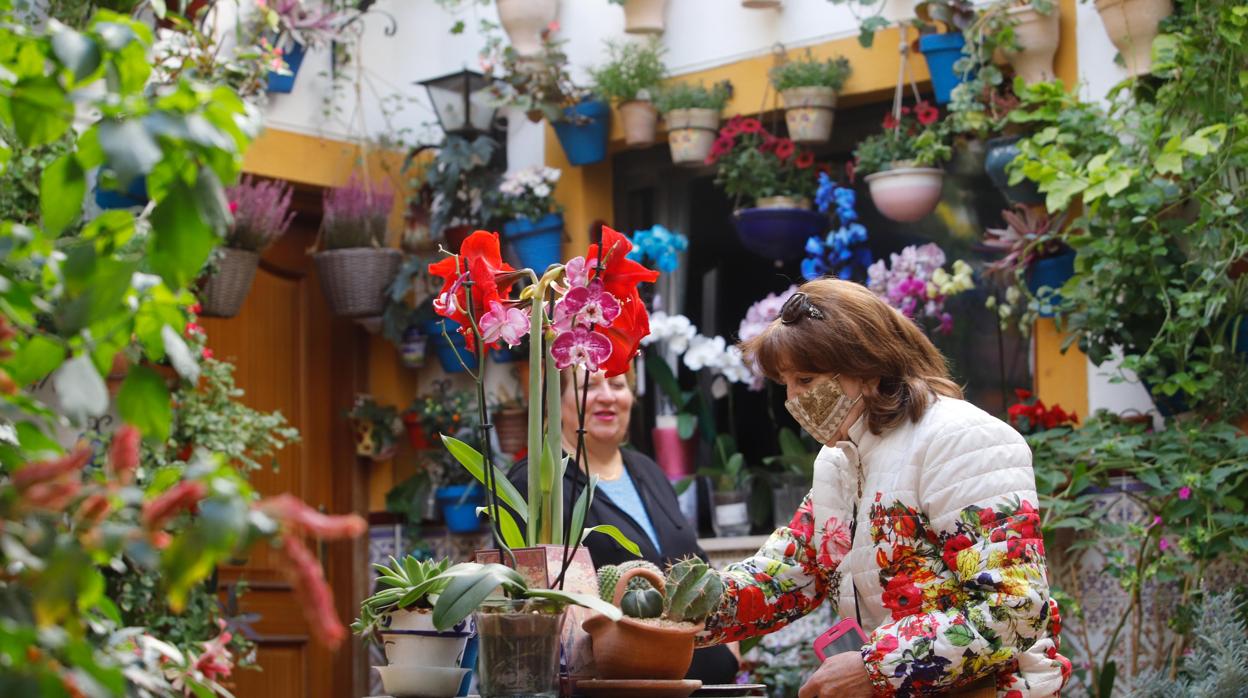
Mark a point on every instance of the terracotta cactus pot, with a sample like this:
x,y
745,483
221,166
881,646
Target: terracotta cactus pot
x,y
634,649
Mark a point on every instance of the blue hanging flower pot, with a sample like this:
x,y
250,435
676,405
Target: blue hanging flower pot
x,y
285,84
134,195
450,353
1051,272
942,51
536,244
778,233
459,506
584,133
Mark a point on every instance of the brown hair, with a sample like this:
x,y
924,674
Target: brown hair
x,y
863,337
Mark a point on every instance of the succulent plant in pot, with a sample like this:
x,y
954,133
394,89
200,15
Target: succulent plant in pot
x,y
355,265
400,613
262,214
661,616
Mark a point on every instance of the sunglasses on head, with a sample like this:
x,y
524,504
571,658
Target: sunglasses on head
x,y
797,307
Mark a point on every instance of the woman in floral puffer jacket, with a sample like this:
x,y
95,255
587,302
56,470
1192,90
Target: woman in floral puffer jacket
x,y
944,567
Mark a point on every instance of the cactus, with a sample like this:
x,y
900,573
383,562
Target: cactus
x,y
609,576
693,591
642,603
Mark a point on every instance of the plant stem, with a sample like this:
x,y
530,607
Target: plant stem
x,y
487,460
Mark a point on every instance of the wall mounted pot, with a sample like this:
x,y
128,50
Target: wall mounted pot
x,y
777,233
640,121
645,16
1000,153
536,244
808,112
450,352
293,55
223,293
524,21
459,506
1038,36
906,194
584,133
1132,25
135,194
354,280
942,51
1050,272
690,134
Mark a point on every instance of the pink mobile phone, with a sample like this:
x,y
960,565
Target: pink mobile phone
x,y
839,639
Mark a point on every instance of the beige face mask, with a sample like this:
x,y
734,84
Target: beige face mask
x,y
822,410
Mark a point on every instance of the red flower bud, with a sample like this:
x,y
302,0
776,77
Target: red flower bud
x,y
302,519
123,455
176,499
313,593
45,471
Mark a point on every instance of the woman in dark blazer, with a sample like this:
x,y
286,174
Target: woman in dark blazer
x,y
633,495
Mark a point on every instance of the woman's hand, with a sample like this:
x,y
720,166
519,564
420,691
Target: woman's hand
x,y
841,676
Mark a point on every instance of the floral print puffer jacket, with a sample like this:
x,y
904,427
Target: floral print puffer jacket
x,y
947,557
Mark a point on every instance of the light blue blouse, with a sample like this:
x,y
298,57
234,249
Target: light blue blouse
x,y
624,494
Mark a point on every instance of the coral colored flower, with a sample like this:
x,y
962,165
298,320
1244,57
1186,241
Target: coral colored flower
x,y
890,121
313,593
805,160
769,144
161,540
195,308
751,126
47,471
1185,493
216,661
180,497
479,261
785,148
507,324
123,454
722,145
581,347
52,496
193,329
621,277
586,306
926,113
302,519
93,509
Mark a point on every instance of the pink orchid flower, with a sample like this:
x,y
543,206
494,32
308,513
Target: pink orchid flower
x,y
580,347
576,272
586,306
507,324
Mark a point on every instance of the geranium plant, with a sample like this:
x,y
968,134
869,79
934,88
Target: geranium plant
x,y
687,95
751,163
528,193
1029,415
843,251
916,283
540,86
916,138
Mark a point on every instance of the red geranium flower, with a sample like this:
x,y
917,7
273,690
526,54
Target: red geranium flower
x,y
620,277
721,146
926,113
769,144
890,121
1022,393
785,148
479,260
751,126
729,131
805,160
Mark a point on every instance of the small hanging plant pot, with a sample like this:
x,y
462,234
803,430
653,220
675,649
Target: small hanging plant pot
x,y
906,194
413,347
223,293
524,20
1038,36
640,121
292,54
583,134
691,134
645,16
1132,25
354,280
450,352
536,244
1050,272
809,112
942,51
778,227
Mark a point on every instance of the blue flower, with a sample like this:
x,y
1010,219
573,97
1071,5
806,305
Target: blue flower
x,y
824,194
660,245
813,268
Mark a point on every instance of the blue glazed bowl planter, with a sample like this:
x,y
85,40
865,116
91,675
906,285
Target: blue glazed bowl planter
x,y
446,351
1051,272
134,195
285,84
778,233
585,143
1000,153
536,244
942,51
459,507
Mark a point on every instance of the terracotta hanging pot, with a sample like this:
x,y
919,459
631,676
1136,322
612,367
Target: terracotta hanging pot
x,y
640,120
690,134
524,20
1038,36
906,194
1132,26
808,112
645,16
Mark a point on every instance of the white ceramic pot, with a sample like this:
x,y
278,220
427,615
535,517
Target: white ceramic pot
x,y
421,620
420,681
761,4
640,121
644,16
808,112
906,194
1038,36
1132,26
524,20
690,134
424,650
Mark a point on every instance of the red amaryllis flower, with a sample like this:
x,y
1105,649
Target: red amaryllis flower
x,y
479,260
785,148
926,113
302,519
312,591
805,160
620,277
123,454
181,496
751,126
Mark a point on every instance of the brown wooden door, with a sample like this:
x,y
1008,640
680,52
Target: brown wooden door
x,y
293,356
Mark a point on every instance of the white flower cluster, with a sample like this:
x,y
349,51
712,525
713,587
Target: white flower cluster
x,y
699,352
536,181
674,331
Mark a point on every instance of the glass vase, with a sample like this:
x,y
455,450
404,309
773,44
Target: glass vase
x,y
519,649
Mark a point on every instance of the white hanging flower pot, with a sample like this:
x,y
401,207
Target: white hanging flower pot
x,y
524,20
1132,26
761,4
808,112
1038,36
645,16
690,134
640,121
906,194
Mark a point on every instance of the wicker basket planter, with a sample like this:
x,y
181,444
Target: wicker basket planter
x,y
223,293
354,280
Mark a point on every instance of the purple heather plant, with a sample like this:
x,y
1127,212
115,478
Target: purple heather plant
x,y
261,211
356,215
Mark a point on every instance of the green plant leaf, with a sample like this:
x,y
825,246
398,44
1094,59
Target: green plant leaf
x,y
34,360
686,425
614,533
581,508
76,51
468,585
472,461
591,602
144,402
181,241
40,109
62,188
512,537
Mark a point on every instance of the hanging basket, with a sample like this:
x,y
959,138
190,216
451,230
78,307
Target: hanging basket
x,y
584,135
640,121
1038,36
223,293
1132,25
354,280
777,233
809,112
906,194
691,134
645,16
942,51
524,20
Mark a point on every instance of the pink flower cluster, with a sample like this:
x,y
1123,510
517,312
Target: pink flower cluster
x,y
583,310
911,281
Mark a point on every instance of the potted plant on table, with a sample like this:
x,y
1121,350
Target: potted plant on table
x,y
730,480
902,163
533,226
376,429
631,78
691,113
261,215
809,88
354,264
